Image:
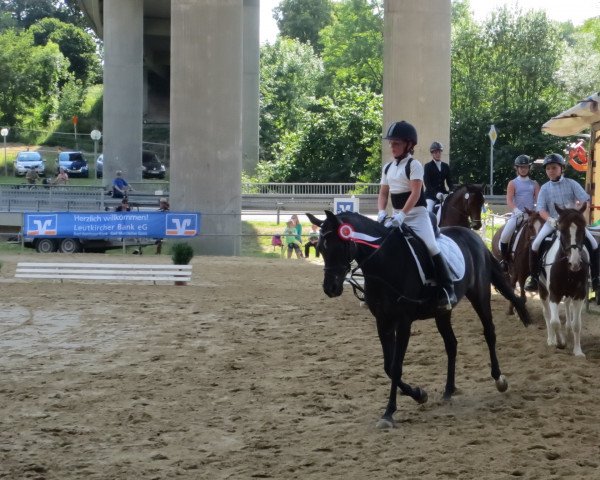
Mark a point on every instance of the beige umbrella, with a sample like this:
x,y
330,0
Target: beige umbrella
x,y
575,119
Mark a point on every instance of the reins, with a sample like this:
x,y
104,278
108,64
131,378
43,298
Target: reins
x,y
357,287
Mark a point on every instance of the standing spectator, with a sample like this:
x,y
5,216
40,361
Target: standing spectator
x,y
291,240
313,240
120,185
163,206
436,176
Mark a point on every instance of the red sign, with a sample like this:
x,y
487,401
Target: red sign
x,y
75,119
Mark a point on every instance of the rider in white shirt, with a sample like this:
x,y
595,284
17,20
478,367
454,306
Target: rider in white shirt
x,y
403,179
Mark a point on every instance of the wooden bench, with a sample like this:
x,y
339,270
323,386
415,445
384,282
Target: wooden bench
x,y
104,271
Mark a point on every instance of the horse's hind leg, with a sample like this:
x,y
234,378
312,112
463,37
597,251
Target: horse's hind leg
x,y
481,304
444,326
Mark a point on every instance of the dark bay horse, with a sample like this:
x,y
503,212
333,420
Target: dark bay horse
x,y
463,207
396,295
564,276
518,266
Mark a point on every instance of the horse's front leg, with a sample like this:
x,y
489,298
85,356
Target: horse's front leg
x,y
401,338
573,313
444,326
555,333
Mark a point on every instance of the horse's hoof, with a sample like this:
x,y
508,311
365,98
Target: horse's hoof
x,y
501,383
421,396
560,343
363,304
385,424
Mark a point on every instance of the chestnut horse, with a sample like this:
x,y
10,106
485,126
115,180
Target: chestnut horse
x,y
463,206
520,243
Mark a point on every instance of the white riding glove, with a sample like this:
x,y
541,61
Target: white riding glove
x,y
381,215
517,211
398,219
440,196
552,222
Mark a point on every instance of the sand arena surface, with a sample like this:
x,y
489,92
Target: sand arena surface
x,y
252,372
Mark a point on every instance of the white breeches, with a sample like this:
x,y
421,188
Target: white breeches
x,y
418,220
509,228
547,230
430,204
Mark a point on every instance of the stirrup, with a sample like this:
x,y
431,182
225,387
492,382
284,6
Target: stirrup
x,y
445,301
531,285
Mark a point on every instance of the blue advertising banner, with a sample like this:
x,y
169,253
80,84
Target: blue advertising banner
x,y
112,224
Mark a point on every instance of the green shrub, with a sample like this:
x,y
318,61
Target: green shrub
x,y
182,253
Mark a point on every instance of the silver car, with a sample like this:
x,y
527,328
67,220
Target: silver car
x,y
27,160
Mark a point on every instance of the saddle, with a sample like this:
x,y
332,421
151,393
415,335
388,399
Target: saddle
x,y
449,249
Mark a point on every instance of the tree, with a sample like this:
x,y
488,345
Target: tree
x,y
26,12
340,141
503,74
579,72
290,73
31,75
75,44
353,45
303,19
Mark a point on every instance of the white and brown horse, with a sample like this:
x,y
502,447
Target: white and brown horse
x,y
564,276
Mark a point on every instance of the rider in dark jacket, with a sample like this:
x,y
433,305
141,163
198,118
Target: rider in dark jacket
x,y
436,176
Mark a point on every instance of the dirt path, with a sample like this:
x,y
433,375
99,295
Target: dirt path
x,y
251,372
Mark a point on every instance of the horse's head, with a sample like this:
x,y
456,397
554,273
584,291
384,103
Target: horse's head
x,y
533,223
474,201
571,227
337,252
339,244
463,207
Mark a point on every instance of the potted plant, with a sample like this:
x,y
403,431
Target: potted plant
x,y
181,254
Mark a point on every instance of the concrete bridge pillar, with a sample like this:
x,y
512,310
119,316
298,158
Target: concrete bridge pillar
x,y
206,118
416,79
123,88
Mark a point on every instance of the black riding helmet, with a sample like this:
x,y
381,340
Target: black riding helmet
x,y
402,131
555,158
523,160
436,146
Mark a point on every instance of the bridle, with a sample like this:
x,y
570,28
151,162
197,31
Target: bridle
x,y
352,248
463,213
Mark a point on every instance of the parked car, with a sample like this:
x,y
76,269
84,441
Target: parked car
x,y
152,166
74,164
99,166
27,160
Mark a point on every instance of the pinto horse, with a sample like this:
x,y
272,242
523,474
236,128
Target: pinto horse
x,y
564,276
520,244
463,207
396,295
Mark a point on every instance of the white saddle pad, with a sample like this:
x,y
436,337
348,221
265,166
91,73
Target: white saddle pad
x,y
453,256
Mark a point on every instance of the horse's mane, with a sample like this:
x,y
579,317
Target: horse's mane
x,y
363,224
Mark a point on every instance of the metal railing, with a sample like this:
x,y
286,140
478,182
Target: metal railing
x,y
310,188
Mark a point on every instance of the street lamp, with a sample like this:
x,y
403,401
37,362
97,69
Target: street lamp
x,y
493,136
96,135
4,133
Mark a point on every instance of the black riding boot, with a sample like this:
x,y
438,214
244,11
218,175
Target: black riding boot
x,y
531,285
446,296
594,273
505,256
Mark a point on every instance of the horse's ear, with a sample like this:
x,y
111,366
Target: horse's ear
x,y
331,217
314,220
582,208
527,211
558,209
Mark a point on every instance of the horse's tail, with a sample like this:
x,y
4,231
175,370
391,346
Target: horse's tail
x,y
501,284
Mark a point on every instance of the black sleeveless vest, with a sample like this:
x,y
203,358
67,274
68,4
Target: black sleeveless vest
x,y
399,199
